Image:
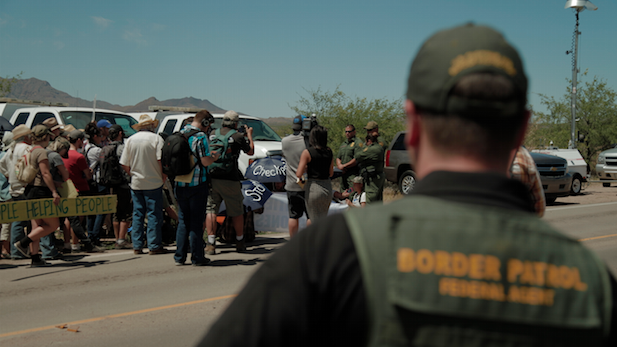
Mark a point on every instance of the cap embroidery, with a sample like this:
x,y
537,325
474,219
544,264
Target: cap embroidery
x,y
481,57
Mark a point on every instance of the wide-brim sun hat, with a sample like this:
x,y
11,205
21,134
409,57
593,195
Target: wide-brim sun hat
x,y
144,121
21,131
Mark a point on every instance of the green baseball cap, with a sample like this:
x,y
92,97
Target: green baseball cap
x,y
451,54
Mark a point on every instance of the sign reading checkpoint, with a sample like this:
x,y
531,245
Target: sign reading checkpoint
x,y
14,211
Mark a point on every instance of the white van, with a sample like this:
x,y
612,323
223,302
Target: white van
x,y
266,141
76,116
577,166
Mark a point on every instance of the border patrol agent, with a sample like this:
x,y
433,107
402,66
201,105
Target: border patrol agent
x,y
371,162
462,261
345,160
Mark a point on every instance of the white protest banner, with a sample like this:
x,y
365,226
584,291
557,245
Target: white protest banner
x,y
14,211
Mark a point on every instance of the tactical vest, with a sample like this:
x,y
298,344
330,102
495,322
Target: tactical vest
x,y
440,273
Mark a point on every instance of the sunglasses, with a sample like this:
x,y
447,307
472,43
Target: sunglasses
x,y
349,131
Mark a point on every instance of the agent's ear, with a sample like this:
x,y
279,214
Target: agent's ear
x,y
412,138
521,136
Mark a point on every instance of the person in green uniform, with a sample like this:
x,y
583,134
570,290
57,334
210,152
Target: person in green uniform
x,y
463,260
372,128
371,161
345,160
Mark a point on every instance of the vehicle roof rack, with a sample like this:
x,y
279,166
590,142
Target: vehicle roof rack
x,y
174,109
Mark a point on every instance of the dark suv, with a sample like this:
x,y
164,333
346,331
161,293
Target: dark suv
x,y
553,170
397,168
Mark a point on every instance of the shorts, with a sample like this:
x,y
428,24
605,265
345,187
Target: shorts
x,y
124,209
228,191
296,205
38,192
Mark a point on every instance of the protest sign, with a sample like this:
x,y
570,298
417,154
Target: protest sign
x,y
14,211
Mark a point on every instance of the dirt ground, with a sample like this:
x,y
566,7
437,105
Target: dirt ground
x,y
592,193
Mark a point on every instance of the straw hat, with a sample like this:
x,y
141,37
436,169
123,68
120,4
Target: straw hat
x,y
21,131
144,121
52,123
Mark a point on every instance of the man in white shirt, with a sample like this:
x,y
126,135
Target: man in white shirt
x,y
141,159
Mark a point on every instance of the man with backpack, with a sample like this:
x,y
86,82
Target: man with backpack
x,y
116,179
192,192
226,177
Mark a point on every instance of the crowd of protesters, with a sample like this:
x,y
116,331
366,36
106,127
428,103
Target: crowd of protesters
x,y
65,156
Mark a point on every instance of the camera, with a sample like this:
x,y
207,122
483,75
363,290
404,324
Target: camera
x,y
242,128
308,124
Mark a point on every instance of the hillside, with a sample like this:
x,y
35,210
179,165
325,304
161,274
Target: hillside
x,y
35,89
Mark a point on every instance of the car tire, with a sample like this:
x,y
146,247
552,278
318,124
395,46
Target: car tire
x,y
407,182
606,184
577,184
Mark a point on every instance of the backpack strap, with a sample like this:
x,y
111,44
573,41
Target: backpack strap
x,y
187,136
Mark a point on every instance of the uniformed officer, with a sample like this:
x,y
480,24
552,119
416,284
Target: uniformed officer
x,y
462,261
372,128
345,160
371,162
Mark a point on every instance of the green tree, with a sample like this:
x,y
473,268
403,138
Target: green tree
x,y
596,114
335,110
6,84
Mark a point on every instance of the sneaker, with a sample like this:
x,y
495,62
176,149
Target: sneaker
x,y
23,250
92,248
202,263
159,250
58,256
39,263
76,248
179,263
240,247
138,251
124,245
210,249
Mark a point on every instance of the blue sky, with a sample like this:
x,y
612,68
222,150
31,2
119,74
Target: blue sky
x,y
259,57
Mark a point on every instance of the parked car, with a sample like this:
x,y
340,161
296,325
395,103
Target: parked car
x,y
577,166
76,116
397,167
266,141
556,181
606,167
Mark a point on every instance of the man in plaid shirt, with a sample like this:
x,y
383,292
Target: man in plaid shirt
x,y
192,194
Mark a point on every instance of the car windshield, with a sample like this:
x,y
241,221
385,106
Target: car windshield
x,y
79,119
261,130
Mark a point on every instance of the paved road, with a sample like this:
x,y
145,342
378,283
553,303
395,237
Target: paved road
x,y
117,298
121,299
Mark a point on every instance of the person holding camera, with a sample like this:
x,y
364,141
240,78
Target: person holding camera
x,y
371,160
226,178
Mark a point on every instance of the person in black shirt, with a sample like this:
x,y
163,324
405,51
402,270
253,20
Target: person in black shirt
x,y
317,161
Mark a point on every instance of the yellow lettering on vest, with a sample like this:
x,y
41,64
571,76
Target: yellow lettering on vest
x,y
528,276
578,284
491,268
473,289
514,294
460,264
442,263
566,277
515,268
405,258
552,276
476,266
540,269
531,295
425,262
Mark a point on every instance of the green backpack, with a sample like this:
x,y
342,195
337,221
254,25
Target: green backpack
x,y
220,143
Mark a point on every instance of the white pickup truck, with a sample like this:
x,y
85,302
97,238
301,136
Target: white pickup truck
x,y
577,166
266,141
76,116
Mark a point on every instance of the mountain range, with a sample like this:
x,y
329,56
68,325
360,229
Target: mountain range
x,y
38,90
